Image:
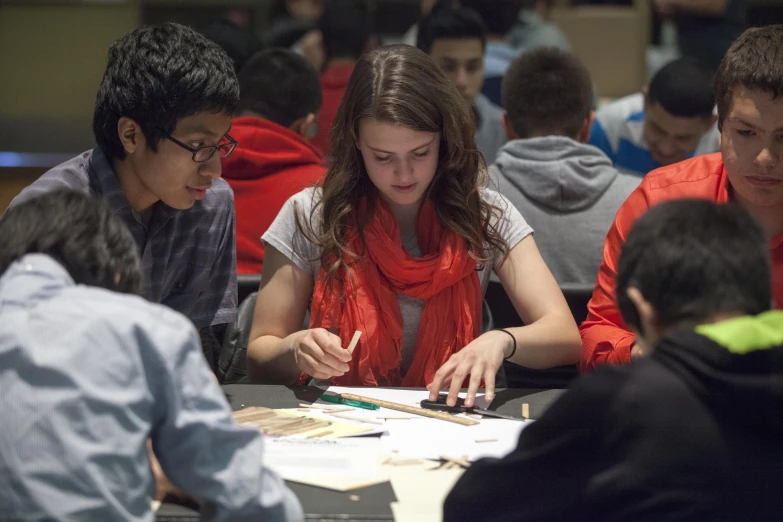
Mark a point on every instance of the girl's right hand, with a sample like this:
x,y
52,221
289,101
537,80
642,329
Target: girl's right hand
x,y
319,353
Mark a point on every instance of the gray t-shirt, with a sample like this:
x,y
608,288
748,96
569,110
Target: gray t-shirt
x,y
284,236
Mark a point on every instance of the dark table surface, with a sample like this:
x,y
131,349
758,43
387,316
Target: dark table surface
x,y
367,504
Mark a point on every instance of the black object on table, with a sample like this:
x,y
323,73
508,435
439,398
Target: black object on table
x,y
371,503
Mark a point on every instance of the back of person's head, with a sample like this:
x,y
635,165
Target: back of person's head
x,y
280,86
79,232
694,260
158,75
683,88
346,27
754,62
547,91
499,15
448,23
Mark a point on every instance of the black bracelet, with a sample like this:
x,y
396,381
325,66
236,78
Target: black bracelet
x,y
512,338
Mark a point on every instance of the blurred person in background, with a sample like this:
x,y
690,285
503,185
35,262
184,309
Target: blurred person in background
x,y
499,17
533,28
279,101
294,25
671,120
455,39
705,28
347,29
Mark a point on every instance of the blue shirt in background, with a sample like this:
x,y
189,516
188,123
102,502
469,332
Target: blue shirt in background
x,y
618,131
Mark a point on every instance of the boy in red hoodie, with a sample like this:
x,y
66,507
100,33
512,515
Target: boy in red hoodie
x,y
280,96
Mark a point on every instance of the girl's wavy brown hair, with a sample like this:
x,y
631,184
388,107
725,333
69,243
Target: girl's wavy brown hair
x,y
401,85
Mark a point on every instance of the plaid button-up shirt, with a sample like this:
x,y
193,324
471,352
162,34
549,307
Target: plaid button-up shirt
x,y
188,256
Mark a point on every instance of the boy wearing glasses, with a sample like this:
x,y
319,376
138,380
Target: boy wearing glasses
x,y
161,122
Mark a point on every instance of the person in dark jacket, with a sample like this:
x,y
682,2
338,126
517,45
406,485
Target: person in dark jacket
x,y
690,432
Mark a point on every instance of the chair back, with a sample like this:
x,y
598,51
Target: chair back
x,y
246,285
232,365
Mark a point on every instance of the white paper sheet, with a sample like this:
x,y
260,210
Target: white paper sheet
x,y
420,494
328,458
429,439
422,437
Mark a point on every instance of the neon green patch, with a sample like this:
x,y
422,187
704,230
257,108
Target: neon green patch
x,y
748,333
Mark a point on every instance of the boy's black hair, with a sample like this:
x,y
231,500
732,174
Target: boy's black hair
x,y
692,260
684,89
754,61
279,85
79,232
446,22
346,26
499,15
158,75
547,91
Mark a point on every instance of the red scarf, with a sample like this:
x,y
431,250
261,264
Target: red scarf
x,y
445,277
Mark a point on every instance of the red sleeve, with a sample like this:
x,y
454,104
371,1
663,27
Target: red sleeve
x,y
605,338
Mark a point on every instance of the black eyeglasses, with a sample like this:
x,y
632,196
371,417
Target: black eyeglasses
x,y
202,154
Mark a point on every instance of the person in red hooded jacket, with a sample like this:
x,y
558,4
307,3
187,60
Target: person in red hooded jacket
x,y
280,96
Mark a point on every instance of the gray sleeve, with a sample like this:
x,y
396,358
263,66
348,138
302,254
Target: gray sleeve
x,y
203,451
284,235
511,226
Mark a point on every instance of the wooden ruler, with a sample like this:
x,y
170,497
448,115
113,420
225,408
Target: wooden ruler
x,y
441,415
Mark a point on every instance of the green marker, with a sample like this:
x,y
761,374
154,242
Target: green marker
x,y
348,402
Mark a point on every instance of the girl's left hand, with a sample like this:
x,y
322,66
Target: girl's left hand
x,y
481,359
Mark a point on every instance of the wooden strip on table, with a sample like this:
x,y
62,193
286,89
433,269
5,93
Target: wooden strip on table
x,y
440,415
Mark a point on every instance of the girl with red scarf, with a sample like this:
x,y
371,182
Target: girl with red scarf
x,y
399,243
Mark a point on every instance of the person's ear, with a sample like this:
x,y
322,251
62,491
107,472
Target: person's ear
x,y
507,128
305,126
130,134
645,95
587,125
650,332
711,121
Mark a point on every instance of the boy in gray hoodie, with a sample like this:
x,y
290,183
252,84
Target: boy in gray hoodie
x,y
567,190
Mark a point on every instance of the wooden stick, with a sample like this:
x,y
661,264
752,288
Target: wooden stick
x,y
320,434
461,462
354,341
308,427
403,462
480,441
412,409
525,410
326,407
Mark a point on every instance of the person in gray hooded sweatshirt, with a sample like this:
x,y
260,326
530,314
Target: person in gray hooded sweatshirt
x,y
567,190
